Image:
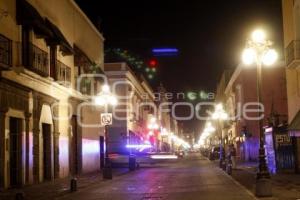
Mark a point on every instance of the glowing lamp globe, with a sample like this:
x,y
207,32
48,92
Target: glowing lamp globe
x,y
224,116
248,56
99,101
105,88
113,100
153,119
219,106
258,36
270,57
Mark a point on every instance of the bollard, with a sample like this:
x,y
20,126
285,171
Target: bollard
x,y
107,172
19,196
229,169
132,163
73,185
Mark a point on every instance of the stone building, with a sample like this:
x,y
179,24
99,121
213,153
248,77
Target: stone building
x,y
240,129
291,30
135,109
42,52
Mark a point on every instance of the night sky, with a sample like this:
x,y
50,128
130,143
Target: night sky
x,y
209,34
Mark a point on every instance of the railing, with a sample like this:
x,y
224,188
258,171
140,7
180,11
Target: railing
x,y
292,52
5,52
38,60
63,73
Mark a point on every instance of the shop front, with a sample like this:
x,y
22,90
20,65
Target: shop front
x,y
279,149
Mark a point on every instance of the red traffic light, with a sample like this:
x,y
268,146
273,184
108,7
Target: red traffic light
x,y
153,63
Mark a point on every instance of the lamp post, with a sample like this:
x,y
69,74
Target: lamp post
x,y
105,98
219,115
153,126
207,131
258,50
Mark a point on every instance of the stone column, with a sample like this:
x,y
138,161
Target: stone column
x,y
56,142
2,147
56,154
36,153
37,107
27,150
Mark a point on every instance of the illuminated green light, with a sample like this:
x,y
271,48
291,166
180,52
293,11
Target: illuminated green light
x,y
192,96
150,76
147,69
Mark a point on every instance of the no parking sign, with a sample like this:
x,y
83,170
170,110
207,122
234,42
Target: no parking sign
x,y
106,119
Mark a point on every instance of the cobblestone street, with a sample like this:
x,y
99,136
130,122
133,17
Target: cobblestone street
x,y
188,179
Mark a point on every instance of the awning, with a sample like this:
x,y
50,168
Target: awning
x,y
59,39
28,16
295,124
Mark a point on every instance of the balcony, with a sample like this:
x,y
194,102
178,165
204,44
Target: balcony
x,y
63,73
38,60
32,58
5,52
292,54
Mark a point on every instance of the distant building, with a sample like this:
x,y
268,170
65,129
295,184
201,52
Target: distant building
x,y
220,97
135,110
164,116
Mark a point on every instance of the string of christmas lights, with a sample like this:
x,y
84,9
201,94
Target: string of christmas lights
x,y
137,64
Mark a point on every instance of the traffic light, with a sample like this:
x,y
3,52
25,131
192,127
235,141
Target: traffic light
x,y
153,62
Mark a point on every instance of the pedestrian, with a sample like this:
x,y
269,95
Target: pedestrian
x,y
233,156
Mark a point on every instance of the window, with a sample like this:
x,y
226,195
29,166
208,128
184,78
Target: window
x,y
5,52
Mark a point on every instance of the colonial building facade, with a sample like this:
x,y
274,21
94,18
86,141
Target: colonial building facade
x,y
291,28
135,109
42,53
242,131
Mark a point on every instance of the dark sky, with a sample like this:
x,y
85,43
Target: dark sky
x,y
210,34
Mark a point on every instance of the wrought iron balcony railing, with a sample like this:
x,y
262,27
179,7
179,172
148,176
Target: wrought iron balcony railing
x,y
292,54
63,73
32,58
5,52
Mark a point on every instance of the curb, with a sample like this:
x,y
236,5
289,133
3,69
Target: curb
x,y
236,182
243,187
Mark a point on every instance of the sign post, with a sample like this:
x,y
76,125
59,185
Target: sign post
x,y
106,120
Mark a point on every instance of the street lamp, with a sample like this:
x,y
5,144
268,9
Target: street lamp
x,y
258,50
105,98
219,115
153,126
207,131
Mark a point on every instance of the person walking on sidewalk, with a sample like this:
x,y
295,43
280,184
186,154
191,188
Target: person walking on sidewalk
x,y
232,151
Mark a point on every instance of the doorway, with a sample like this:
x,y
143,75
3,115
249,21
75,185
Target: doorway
x,y
101,139
47,152
74,144
15,156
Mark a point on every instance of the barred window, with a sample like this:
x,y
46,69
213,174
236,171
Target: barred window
x,y
5,52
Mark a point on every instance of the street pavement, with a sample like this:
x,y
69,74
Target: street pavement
x,y
191,178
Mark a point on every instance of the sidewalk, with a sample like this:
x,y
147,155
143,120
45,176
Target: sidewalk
x,y
285,186
59,187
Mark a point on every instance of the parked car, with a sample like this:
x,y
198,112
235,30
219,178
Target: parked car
x,y
215,153
180,153
205,152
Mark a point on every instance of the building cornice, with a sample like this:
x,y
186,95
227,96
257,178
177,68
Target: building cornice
x,y
87,19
